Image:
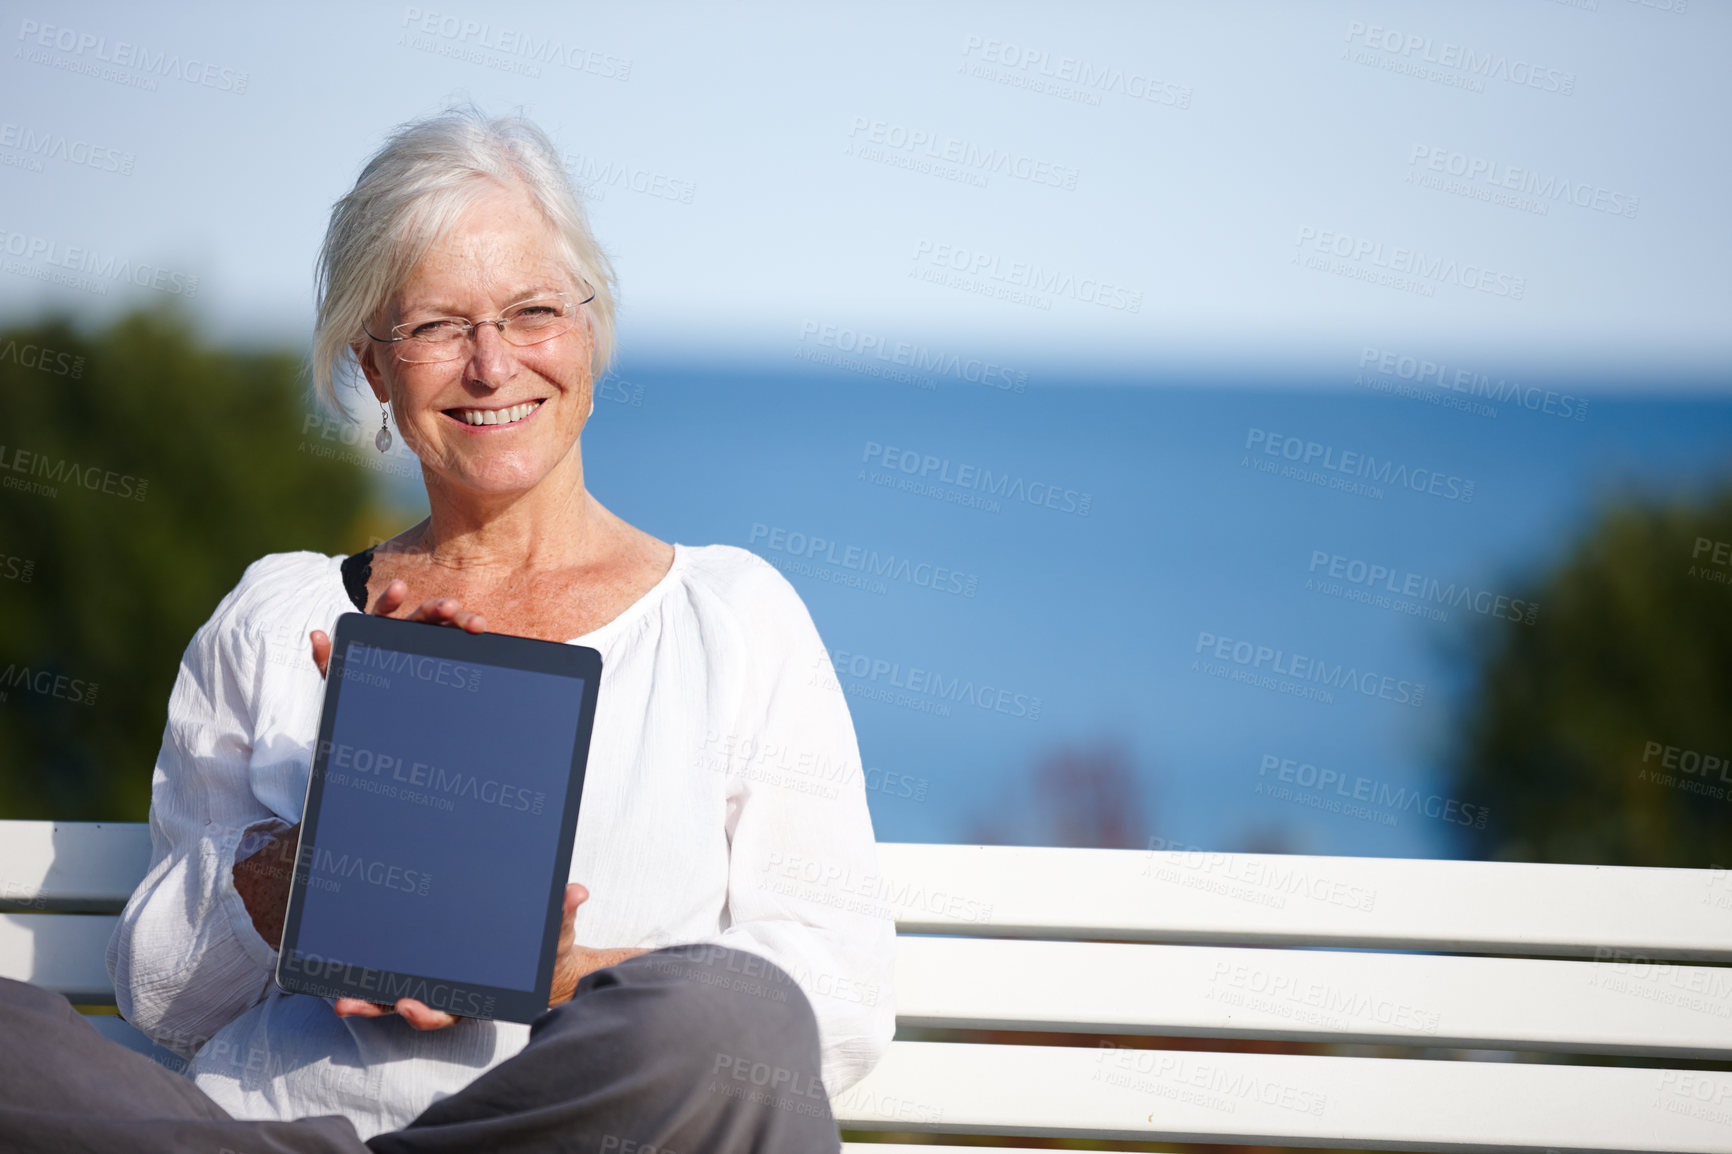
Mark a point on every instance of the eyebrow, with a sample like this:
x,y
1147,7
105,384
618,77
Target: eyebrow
x,y
439,308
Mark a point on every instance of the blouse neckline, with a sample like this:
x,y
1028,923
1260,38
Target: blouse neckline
x,y
603,632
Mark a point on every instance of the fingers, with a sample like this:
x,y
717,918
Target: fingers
x,y
446,611
567,963
417,1014
575,895
357,1008
439,611
321,650
394,595
422,1016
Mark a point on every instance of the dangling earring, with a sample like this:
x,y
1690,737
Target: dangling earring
x,y
383,440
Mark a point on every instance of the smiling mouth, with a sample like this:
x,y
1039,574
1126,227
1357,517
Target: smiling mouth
x,y
509,416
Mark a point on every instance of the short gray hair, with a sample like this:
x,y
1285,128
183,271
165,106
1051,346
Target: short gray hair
x,y
411,195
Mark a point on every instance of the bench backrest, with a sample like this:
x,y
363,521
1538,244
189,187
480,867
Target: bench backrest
x,y
1417,968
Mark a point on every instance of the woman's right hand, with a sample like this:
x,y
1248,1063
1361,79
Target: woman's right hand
x,y
262,879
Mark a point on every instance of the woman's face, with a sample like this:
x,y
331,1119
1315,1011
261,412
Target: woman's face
x,y
501,253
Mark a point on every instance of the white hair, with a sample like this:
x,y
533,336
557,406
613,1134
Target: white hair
x,y
411,195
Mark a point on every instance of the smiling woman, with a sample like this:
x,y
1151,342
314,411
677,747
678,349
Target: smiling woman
x,y
408,199
460,279
492,405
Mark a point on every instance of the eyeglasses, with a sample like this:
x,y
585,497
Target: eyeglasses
x,y
528,322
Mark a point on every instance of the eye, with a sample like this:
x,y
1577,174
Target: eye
x,y
433,330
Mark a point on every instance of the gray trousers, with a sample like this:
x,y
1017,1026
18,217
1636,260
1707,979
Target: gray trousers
x,y
644,1059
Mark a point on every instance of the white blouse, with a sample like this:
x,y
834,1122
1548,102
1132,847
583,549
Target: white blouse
x,y
723,802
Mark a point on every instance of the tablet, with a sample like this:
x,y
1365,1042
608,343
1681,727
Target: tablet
x,y
441,810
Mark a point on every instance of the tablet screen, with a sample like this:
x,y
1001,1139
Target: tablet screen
x,y
435,819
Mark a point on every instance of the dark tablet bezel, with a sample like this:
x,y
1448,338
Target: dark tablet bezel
x,y
298,973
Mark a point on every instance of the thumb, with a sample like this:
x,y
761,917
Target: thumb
x,y
321,650
575,895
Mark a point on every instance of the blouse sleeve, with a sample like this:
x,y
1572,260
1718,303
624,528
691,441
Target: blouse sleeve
x,y
185,958
802,873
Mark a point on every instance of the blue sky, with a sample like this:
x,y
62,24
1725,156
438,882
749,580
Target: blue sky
x,y
1168,236
1175,150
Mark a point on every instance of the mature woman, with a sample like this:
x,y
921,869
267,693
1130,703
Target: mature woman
x,y
461,276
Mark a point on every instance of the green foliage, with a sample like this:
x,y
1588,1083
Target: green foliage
x,y
165,467
1632,653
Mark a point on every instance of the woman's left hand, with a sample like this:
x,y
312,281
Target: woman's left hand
x,y
437,611
574,962
569,967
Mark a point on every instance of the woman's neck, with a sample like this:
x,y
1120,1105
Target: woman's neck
x,y
555,525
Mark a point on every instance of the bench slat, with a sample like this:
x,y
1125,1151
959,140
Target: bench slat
x,y
74,866
1287,1099
65,953
1015,891
1311,995
1274,899
1314,995
1661,1009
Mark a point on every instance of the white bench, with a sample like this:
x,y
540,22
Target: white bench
x,y
1446,1050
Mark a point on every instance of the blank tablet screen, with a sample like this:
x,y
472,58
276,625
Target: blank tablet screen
x,y
444,790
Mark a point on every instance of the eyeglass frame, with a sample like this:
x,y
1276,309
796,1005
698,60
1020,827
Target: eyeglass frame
x,y
470,326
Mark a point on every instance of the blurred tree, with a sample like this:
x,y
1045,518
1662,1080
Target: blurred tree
x,y
1591,730
1090,797
142,471
1081,796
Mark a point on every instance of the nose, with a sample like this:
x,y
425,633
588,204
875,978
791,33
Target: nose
x,y
489,357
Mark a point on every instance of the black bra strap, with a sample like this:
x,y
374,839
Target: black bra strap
x,y
357,570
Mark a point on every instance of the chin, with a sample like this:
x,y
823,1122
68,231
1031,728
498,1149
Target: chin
x,y
499,473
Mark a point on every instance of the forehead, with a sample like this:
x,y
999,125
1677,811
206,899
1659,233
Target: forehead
x,y
500,250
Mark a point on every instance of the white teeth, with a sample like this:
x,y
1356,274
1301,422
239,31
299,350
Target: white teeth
x,y
497,416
